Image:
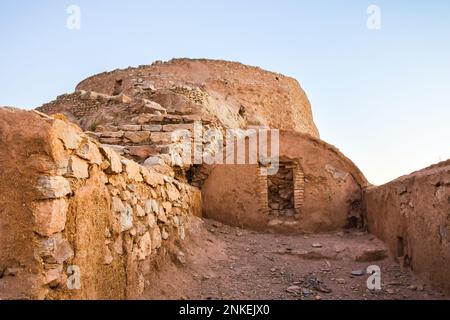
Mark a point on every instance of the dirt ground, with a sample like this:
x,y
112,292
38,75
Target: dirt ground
x,y
230,263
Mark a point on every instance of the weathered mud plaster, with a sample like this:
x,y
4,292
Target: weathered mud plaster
x,y
68,203
326,190
412,215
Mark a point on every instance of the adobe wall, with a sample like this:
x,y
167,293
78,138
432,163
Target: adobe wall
x,y
68,203
19,169
327,190
412,215
230,195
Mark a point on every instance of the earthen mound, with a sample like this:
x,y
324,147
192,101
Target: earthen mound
x,y
237,94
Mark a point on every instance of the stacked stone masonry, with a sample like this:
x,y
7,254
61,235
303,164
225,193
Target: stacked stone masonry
x,y
143,130
281,192
129,212
286,191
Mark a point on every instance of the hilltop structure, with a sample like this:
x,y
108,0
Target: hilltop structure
x,y
102,189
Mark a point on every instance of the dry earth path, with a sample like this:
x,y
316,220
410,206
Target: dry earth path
x,y
224,262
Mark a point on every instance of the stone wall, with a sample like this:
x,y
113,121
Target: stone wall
x,y
75,207
136,128
281,192
412,215
286,191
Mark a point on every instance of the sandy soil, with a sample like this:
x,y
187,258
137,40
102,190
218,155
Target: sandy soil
x,y
230,263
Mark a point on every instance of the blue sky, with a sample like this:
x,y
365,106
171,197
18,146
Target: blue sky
x,y
382,97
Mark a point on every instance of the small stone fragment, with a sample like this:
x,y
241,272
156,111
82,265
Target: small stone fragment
x,y
144,247
108,258
126,219
53,187
151,221
358,273
139,211
118,245
137,136
151,177
67,134
293,289
50,216
164,234
55,249
115,165
78,168
133,170
156,238
89,151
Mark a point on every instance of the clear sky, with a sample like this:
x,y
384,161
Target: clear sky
x,y
381,96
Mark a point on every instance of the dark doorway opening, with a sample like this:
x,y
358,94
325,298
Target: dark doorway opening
x,y
281,191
